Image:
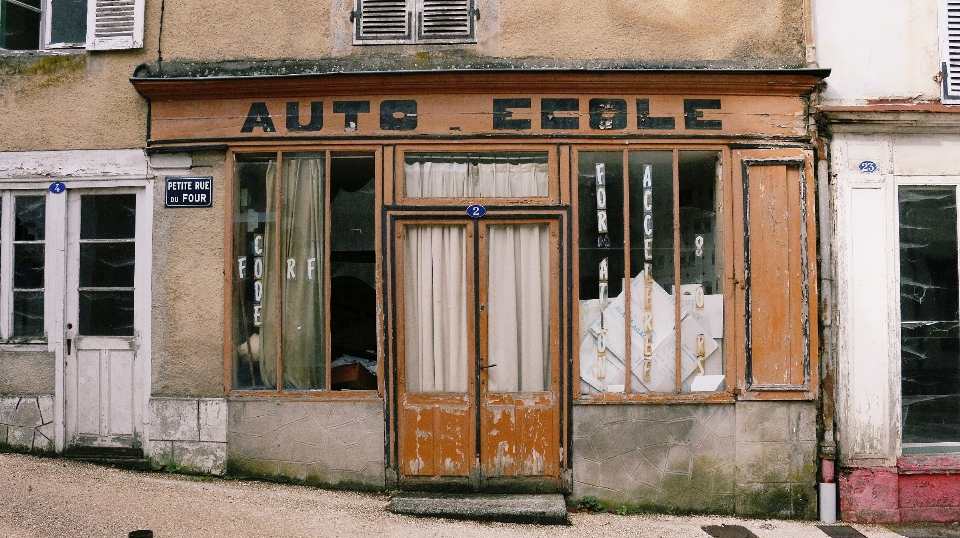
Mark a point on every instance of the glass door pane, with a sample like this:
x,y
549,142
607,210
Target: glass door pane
x,y
107,255
435,299
518,308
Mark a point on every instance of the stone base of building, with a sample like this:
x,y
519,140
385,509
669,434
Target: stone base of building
x,y
332,444
188,435
918,489
744,458
26,422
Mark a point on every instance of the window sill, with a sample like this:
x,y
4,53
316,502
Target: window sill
x,y
942,463
23,346
65,51
657,399
305,396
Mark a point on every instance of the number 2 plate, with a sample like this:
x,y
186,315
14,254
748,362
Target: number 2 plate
x,y
476,211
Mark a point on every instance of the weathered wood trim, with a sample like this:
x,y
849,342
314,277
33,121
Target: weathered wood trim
x,y
720,82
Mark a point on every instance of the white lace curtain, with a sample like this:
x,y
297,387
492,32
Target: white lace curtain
x,y
436,285
483,180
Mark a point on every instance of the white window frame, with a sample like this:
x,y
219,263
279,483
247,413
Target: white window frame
x,y
110,25
949,25
7,225
415,34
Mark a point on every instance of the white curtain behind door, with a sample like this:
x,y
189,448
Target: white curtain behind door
x,y
483,180
518,308
435,284
435,309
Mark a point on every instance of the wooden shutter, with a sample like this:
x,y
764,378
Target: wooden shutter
x,y
382,20
950,50
446,20
777,275
114,24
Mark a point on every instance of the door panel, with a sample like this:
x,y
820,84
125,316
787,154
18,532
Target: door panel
x,y
520,426
437,409
478,322
102,373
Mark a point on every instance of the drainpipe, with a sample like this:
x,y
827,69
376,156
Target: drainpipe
x,y
827,446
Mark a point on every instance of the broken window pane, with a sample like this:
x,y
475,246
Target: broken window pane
x,y
20,24
353,296
29,234
929,300
107,256
106,313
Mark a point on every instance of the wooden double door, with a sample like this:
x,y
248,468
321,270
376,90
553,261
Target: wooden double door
x,y
477,347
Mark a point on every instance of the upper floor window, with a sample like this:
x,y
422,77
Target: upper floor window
x,y
414,21
950,50
55,24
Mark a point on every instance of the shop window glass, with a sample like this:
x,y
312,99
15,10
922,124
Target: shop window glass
x,y
642,216
288,326
476,175
930,321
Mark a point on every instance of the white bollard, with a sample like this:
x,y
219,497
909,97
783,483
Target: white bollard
x,y
828,502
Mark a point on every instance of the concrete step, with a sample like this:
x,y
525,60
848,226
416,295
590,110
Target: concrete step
x,y
123,458
544,509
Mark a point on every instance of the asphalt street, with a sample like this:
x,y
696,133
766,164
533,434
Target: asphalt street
x,y
49,497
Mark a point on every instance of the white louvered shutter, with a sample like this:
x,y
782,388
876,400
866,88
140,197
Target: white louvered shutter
x,y
950,51
114,24
446,20
382,20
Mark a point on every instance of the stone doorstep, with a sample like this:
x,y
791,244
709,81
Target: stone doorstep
x,y
544,509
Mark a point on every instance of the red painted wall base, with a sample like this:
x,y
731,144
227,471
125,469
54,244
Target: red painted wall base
x,y
918,489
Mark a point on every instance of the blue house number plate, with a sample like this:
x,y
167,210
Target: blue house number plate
x,y
476,211
868,167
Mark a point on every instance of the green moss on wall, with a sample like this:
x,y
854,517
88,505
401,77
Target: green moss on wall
x,y
240,467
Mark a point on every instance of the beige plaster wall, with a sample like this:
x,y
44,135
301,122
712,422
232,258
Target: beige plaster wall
x,y
188,290
243,29
77,99
27,372
674,30
769,33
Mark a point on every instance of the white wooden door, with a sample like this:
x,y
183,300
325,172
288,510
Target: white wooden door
x,y
107,287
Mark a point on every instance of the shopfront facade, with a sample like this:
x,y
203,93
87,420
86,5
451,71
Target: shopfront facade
x,y
427,277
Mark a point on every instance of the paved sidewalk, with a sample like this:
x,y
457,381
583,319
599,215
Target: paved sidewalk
x,y
46,497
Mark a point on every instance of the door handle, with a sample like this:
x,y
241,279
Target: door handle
x,y
71,336
487,366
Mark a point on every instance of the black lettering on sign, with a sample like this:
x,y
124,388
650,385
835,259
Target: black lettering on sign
x,y
258,116
351,111
608,114
502,114
293,117
645,121
692,114
398,115
550,121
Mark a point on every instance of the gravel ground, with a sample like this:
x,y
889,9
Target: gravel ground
x,y
46,497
